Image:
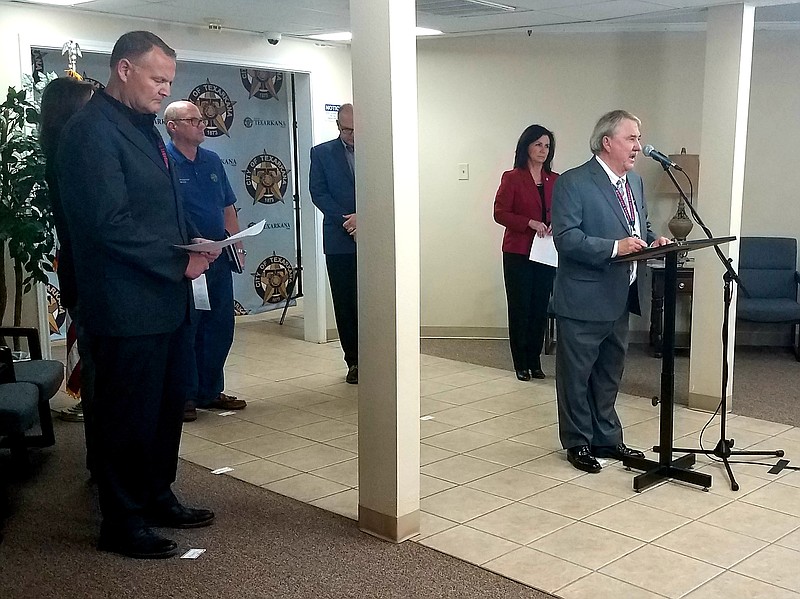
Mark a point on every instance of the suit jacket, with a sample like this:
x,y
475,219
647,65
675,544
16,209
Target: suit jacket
x,y
587,219
518,201
124,218
333,191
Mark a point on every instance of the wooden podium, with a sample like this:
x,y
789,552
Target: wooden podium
x,y
666,467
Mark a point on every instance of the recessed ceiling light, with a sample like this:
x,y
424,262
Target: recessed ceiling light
x,y
346,36
496,5
57,2
424,31
338,36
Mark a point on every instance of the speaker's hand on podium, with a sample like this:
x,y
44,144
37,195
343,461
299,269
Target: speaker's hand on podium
x,y
660,241
630,245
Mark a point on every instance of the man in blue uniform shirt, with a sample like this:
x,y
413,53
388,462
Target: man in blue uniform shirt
x,y
209,201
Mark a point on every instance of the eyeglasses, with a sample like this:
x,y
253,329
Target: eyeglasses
x,y
346,129
194,121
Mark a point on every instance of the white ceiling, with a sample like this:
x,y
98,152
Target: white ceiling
x,y
307,17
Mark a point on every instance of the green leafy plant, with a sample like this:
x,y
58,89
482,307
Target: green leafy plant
x,y
26,218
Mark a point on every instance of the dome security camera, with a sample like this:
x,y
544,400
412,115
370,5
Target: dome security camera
x,y
272,37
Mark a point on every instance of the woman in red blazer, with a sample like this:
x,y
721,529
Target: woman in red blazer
x,y
522,205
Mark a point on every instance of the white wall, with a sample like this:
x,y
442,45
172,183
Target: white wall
x,y
477,94
476,97
771,204
32,25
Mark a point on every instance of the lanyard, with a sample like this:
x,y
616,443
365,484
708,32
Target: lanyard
x,y
628,208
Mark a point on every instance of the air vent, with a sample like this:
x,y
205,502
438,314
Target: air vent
x,y
462,8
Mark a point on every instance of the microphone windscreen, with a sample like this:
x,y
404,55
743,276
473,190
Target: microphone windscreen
x,y
647,149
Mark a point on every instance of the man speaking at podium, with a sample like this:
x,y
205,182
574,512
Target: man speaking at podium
x,y
598,213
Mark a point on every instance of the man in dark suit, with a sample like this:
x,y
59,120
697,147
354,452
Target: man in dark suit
x,y
333,190
598,213
134,294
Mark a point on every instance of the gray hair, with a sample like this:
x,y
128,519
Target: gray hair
x,y
607,126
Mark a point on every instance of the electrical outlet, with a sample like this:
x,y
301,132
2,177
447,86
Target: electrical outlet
x,y
463,172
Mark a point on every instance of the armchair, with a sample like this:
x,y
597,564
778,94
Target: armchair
x,y
768,269
42,377
18,406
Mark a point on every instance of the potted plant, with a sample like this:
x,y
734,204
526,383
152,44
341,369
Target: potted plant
x,y
26,219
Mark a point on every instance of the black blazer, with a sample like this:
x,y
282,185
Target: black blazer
x,y
124,218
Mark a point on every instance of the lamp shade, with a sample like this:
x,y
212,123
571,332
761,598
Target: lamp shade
x,y
690,163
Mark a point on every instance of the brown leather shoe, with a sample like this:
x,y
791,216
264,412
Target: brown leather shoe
x,y
228,402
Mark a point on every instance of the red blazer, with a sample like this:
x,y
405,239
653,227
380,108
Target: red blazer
x,y
518,201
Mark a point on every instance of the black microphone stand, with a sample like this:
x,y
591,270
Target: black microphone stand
x,y
724,448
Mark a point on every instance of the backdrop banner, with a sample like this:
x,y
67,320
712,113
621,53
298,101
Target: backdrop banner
x,y
250,127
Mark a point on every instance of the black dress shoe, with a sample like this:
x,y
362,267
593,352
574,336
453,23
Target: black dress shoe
x,y
616,452
352,375
179,516
582,459
523,375
139,543
537,373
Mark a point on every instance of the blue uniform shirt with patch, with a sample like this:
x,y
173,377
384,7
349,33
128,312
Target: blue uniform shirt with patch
x,y
205,190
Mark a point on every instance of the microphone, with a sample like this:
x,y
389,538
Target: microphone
x,y
661,158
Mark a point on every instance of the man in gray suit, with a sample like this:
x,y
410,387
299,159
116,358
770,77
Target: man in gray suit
x,y
598,213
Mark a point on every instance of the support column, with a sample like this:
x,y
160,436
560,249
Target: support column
x,y
387,199
723,140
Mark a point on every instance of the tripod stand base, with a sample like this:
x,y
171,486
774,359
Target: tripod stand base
x,y
723,451
655,472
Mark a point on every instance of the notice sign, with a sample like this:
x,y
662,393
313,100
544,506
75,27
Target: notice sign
x,y
332,111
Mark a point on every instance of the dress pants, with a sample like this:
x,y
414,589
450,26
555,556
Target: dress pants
x,y
212,332
590,357
139,394
342,275
87,387
528,288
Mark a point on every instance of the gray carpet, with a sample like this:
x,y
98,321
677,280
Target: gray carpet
x,y
766,382
262,545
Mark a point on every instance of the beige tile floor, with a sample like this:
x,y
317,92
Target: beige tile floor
x,y
496,489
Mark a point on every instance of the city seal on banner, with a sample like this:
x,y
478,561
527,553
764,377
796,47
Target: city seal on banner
x,y
266,179
215,106
261,83
272,278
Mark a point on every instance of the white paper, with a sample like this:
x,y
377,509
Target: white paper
x,y
226,413
222,470
427,418
200,293
543,250
193,553
208,246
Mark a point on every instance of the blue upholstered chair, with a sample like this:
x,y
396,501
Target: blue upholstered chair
x,y
768,269
33,375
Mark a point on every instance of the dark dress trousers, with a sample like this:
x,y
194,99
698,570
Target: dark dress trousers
x,y
591,298
528,284
333,190
124,219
